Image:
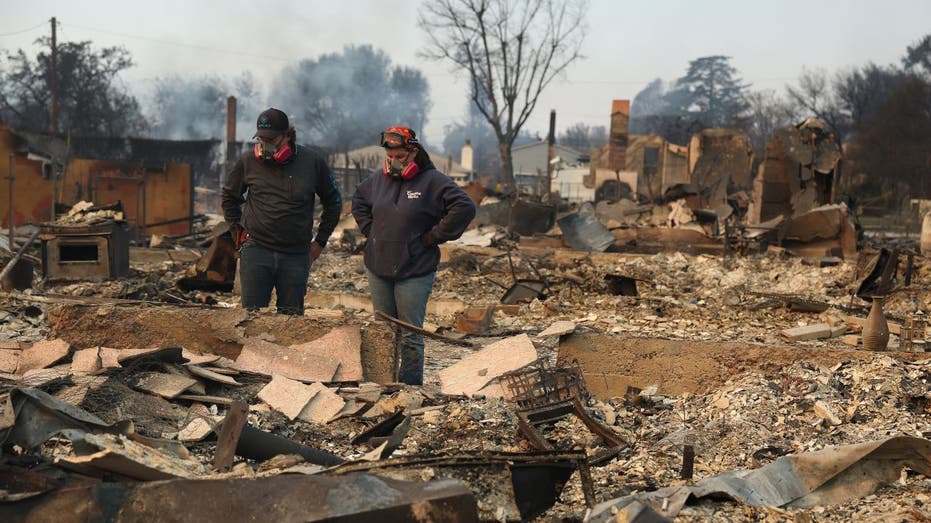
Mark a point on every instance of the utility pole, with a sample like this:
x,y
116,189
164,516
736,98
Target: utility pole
x,y
54,79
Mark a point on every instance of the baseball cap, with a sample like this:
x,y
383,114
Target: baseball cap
x,y
271,123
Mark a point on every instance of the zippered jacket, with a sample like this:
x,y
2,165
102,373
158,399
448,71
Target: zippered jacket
x,y
278,211
405,220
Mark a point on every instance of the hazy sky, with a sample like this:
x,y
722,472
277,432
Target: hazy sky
x,y
628,44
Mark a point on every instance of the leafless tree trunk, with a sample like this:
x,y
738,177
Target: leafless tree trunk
x,y
510,49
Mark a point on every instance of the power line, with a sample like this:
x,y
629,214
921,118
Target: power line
x,y
14,33
177,43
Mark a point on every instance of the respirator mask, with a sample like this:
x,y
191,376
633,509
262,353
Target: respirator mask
x,y
269,152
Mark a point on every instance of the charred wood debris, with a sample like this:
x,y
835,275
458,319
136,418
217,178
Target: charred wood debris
x,y
598,365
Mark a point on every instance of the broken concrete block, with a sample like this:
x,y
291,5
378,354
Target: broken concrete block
x,y
86,361
40,377
262,357
558,329
287,396
808,332
344,345
165,385
110,358
42,354
201,372
198,429
9,361
369,392
838,331
196,358
323,406
477,369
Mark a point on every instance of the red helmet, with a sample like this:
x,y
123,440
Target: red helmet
x,y
396,137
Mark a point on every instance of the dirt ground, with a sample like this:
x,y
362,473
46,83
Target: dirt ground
x,y
211,330
610,364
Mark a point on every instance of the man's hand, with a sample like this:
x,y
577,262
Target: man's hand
x,y
236,234
315,250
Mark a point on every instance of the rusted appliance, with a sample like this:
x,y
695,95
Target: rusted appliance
x,y
85,252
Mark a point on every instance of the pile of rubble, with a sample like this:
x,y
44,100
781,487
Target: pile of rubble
x,y
290,421
606,377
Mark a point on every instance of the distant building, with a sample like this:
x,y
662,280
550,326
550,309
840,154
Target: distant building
x,y
530,161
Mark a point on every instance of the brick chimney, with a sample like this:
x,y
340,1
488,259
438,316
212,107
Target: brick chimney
x,y
617,140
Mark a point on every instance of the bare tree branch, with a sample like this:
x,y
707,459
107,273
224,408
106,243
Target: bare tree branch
x,y
510,49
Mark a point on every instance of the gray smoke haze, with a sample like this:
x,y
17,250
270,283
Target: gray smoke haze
x,y
180,108
343,100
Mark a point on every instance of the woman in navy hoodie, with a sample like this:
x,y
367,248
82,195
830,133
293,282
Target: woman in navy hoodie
x,y
406,209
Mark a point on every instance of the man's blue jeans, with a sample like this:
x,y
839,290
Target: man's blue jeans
x,y
262,269
405,300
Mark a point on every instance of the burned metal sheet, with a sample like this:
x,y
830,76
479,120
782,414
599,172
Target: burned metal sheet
x,y
831,476
32,416
382,429
354,498
524,291
881,277
583,232
513,486
528,218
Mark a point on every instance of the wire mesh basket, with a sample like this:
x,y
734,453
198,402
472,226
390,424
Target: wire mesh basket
x,y
540,385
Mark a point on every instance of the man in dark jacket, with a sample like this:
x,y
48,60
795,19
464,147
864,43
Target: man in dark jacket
x,y
274,229
406,209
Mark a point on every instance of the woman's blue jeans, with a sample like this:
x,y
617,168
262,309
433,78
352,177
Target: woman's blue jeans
x,y
405,300
262,269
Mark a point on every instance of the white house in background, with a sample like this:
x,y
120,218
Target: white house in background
x,y
570,184
529,161
371,157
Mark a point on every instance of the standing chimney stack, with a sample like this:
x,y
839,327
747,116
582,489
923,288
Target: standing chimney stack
x,y
617,140
465,158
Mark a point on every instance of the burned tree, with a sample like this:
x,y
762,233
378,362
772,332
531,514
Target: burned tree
x,y
511,51
91,98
